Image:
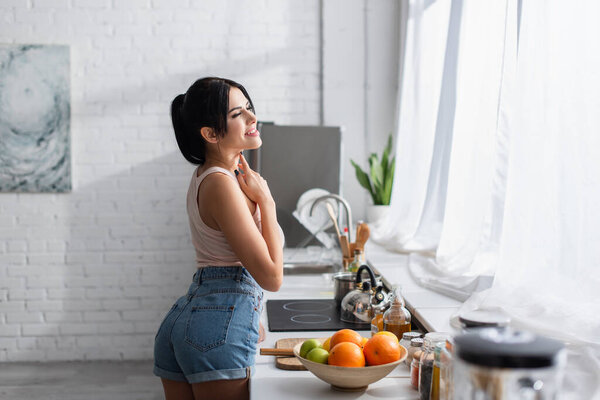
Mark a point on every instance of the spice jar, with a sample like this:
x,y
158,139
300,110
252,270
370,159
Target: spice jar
x,y
397,318
435,377
414,369
407,337
446,384
415,345
432,339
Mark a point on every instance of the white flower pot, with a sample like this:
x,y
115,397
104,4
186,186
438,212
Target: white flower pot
x,y
376,213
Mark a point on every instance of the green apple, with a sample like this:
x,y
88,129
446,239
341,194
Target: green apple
x,y
307,346
318,354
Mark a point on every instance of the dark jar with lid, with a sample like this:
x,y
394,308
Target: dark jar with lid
x,y
506,364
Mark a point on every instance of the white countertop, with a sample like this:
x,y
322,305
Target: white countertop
x,y
432,309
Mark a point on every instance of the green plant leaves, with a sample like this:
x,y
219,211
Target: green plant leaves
x,y
381,175
363,179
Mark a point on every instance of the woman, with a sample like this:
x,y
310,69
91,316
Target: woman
x,y
205,346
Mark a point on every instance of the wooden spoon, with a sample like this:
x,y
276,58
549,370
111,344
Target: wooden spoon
x,y
333,218
362,235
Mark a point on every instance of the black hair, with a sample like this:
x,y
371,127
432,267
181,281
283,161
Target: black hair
x,y
205,104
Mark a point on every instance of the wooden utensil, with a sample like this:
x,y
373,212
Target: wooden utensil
x,y
333,218
345,246
362,235
276,352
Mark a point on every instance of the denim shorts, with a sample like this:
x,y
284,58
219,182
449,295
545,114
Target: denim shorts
x,y
212,332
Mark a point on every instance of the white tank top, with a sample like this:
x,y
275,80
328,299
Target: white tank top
x,y
212,248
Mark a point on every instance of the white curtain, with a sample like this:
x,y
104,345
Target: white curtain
x,y
498,159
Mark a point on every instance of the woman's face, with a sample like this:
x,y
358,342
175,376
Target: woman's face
x,y
241,123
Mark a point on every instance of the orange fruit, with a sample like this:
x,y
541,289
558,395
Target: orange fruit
x,y
346,354
382,349
325,344
345,335
363,342
388,333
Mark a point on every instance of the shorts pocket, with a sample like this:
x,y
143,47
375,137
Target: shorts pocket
x,y
207,326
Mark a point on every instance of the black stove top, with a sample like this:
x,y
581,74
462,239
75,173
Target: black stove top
x,y
307,315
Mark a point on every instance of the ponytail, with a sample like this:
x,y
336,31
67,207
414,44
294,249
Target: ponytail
x,y
190,142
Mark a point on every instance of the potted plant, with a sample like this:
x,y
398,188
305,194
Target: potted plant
x,y
378,181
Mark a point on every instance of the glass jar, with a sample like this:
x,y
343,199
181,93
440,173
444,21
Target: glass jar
x,y
414,369
356,263
426,363
377,321
446,384
503,364
397,318
435,377
415,344
407,337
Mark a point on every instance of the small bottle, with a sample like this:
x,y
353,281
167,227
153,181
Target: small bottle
x,y
397,318
435,378
414,369
415,344
356,263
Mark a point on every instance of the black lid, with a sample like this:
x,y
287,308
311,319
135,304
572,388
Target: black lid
x,y
506,349
483,318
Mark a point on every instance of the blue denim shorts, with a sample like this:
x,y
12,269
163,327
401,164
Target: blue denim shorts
x,y
212,332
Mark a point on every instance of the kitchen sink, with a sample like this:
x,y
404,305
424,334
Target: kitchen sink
x,y
307,268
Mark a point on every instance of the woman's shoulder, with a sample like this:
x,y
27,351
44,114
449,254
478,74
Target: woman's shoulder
x,y
202,174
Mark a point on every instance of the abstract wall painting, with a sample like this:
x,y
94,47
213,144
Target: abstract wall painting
x,y
35,113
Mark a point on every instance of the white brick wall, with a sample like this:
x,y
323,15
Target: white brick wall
x,y
89,274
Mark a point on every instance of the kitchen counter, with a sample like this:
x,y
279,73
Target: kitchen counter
x,y
433,311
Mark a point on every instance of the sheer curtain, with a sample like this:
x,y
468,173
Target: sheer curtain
x,y
498,159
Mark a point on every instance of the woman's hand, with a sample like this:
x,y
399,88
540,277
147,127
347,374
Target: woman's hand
x,y
252,184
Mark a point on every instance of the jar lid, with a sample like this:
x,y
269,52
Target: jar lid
x,y
416,342
410,335
507,348
432,338
483,318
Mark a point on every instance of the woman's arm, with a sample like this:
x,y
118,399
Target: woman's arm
x,y
260,254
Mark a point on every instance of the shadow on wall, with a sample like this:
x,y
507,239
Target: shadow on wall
x,y
128,257
99,267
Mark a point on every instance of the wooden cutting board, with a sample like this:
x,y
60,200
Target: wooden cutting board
x,y
290,363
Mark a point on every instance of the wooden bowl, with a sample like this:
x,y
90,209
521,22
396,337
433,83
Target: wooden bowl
x,y
348,379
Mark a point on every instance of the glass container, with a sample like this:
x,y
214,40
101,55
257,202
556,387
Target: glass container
x,y
506,364
446,384
356,263
397,318
426,363
415,344
414,369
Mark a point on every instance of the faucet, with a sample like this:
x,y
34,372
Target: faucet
x,y
346,208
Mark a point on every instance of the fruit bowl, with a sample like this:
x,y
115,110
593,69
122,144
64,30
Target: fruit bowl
x,y
348,379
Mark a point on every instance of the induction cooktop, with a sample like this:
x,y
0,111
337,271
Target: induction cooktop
x,y
307,315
